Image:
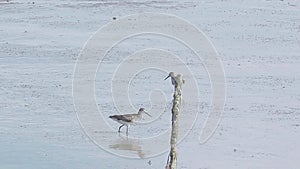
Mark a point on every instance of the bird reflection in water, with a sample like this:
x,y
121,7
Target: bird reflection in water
x,y
128,144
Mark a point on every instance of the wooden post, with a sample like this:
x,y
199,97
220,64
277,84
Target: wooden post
x,y
172,158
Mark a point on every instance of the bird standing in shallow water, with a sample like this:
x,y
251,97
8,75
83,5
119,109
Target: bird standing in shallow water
x,y
127,119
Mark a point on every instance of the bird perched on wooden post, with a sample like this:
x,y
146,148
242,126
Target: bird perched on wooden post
x,y
177,81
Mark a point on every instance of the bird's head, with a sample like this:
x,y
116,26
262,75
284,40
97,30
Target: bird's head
x,y
142,110
171,74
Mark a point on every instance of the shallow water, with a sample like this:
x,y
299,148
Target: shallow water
x,y
258,45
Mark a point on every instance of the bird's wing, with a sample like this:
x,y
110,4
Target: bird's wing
x,y
121,117
173,81
129,116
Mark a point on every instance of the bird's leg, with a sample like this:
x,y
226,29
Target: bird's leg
x,y
127,129
121,127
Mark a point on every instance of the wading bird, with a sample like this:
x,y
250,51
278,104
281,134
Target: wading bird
x,y
127,119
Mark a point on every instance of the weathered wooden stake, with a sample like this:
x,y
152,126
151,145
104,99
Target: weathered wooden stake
x,y
177,81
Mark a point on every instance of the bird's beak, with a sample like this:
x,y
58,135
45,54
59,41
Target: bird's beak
x,y
147,114
167,77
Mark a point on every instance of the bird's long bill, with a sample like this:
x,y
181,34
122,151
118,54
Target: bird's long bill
x,y
147,114
167,77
